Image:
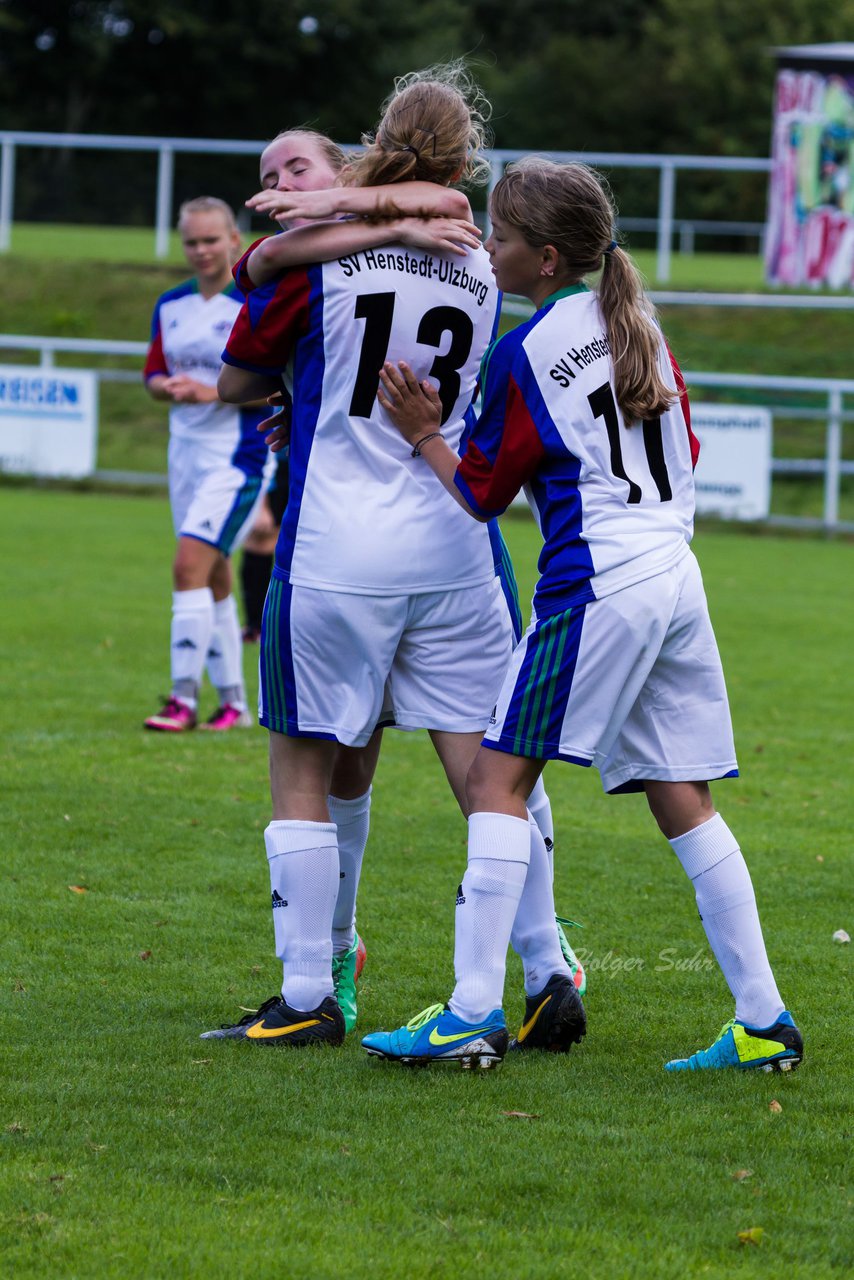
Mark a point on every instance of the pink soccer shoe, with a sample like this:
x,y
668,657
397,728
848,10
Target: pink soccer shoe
x,y
175,717
227,717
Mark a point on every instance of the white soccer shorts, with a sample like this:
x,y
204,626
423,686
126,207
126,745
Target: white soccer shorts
x,y
631,683
334,664
213,500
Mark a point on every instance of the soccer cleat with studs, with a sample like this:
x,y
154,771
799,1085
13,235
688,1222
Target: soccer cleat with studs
x,y
579,977
437,1035
174,717
776,1048
346,969
228,717
554,1018
276,1023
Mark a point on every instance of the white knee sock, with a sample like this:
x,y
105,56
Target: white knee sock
x,y
498,853
727,906
192,624
534,935
303,858
353,820
540,809
225,654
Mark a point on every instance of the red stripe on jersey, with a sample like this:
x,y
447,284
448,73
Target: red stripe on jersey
x,y
686,408
240,271
270,321
155,361
493,486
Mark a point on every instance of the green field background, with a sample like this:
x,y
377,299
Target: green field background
x,y
135,895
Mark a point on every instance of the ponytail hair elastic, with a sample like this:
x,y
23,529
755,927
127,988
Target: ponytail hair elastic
x,y
611,247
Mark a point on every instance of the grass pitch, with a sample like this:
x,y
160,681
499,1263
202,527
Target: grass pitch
x,y
135,895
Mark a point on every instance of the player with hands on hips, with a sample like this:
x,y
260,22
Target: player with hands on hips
x,y
583,405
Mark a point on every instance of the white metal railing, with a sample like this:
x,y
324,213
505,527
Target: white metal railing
x,y
833,413
166,150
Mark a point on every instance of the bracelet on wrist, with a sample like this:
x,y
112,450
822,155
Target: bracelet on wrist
x,y
419,444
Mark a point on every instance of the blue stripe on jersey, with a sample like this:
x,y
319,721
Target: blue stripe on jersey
x,y
171,295
534,718
251,452
506,576
309,366
555,493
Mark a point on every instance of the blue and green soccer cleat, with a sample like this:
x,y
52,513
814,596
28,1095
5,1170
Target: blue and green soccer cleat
x,y
346,969
777,1048
437,1035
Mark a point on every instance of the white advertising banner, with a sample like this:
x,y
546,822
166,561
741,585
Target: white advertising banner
x,y
733,476
48,421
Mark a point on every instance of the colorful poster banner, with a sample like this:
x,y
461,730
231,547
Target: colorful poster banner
x,y
810,234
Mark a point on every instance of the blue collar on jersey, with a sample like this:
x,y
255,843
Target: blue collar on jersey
x,y
565,293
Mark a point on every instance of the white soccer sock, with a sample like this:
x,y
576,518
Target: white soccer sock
x,y
727,905
534,935
225,654
540,809
303,858
498,852
353,820
192,624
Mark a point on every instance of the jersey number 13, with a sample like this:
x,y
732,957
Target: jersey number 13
x,y
377,310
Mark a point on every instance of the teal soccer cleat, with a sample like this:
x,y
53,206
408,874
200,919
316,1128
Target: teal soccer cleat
x,y
776,1048
437,1035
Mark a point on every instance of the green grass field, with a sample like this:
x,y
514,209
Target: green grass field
x,y
135,895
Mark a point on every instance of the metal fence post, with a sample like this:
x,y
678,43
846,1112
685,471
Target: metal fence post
x,y
165,175
496,166
666,201
833,458
7,193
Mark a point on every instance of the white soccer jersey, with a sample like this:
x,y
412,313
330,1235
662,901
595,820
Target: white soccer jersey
x,y
615,503
187,336
363,515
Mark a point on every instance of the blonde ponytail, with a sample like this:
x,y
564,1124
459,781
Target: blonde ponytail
x,y
633,334
433,129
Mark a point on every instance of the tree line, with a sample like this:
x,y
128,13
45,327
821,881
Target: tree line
x,y
689,76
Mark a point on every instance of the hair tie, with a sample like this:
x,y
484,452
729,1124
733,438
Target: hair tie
x,y
430,135
611,247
